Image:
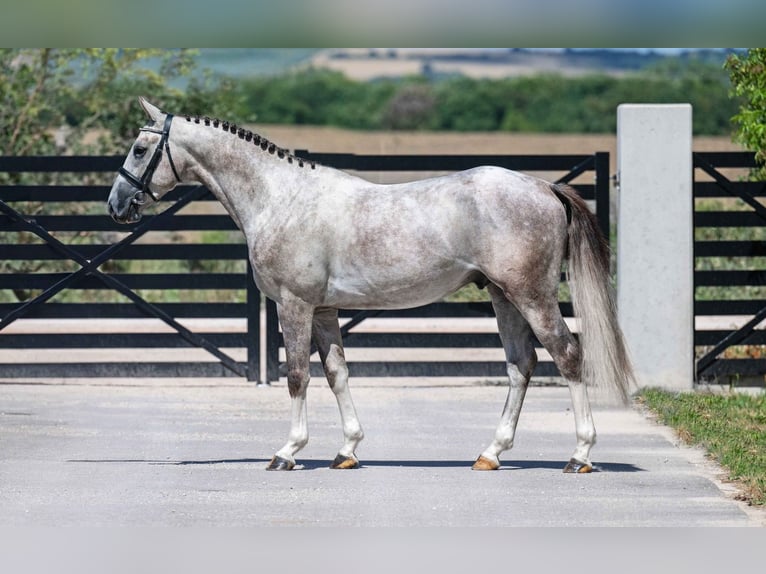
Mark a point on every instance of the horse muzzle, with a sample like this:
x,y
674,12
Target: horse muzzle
x,y
125,208
130,215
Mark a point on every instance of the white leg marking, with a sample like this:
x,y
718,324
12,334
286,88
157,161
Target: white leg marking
x,y
584,427
335,364
298,436
295,317
506,430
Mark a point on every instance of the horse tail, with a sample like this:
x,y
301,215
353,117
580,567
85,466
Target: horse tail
x,y
605,364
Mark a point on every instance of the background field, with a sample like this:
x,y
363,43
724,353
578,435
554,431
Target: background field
x,y
329,139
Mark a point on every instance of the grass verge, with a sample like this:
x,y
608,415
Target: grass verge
x,y
731,427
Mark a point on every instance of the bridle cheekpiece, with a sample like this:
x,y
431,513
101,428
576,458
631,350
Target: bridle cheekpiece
x,y
142,184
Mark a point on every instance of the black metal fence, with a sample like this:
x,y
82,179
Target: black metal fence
x,y
730,275
57,238
50,235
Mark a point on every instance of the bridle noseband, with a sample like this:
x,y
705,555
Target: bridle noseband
x,y
142,184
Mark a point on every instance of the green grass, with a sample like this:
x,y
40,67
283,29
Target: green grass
x,y
731,427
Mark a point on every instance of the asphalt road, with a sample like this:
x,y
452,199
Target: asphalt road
x,y
193,453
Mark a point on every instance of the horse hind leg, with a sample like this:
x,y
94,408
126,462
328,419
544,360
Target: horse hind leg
x,y
521,359
551,330
327,337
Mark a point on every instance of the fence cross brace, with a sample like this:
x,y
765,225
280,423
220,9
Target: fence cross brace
x,y
577,170
725,184
90,267
731,339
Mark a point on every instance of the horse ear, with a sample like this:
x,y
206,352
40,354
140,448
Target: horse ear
x,y
154,113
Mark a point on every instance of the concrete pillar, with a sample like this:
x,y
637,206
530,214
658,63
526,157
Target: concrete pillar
x,y
655,234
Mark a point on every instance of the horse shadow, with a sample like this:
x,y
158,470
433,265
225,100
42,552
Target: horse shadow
x,y
316,464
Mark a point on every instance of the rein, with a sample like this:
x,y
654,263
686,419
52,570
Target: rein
x,y
142,184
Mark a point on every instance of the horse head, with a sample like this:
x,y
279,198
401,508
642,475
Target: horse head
x,y
132,192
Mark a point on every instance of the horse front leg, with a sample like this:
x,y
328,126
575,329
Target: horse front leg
x,y
295,316
326,334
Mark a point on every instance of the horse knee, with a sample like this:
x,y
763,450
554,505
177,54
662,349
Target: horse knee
x,y
297,380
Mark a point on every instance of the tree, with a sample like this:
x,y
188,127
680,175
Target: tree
x,y
410,108
748,78
53,101
50,98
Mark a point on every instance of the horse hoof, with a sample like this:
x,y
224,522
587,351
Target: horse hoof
x,y
345,462
279,463
483,463
577,467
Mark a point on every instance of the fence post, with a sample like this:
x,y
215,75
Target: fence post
x,y
253,328
601,164
272,342
655,262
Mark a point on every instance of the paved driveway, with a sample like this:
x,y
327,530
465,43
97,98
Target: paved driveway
x,y
194,452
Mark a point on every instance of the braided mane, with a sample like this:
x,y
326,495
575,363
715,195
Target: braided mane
x,y
249,136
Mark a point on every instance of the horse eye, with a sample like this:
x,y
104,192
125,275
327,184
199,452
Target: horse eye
x,y
139,151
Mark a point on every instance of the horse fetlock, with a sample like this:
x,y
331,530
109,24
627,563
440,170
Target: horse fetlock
x,y
297,442
355,435
587,437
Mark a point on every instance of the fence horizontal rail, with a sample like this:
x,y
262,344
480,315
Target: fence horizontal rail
x,y
712,338
733,307
444,310
711,189
104,223
729,278
61,163
393,340
728,219
737,367
361,162
433,369
55,193
143,251
114,340
729,248
130,370
407,162
131,280
130,311
725,159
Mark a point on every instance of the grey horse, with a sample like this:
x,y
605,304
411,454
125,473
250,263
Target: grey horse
x,y
320,239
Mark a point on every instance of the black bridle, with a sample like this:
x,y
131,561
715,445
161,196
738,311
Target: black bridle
x,y
142,184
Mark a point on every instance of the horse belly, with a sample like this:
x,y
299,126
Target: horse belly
x,y
388,290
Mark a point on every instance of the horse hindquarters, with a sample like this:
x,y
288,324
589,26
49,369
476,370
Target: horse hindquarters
x,y
531,285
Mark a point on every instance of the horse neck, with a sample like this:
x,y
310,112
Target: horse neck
x,y
242,176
